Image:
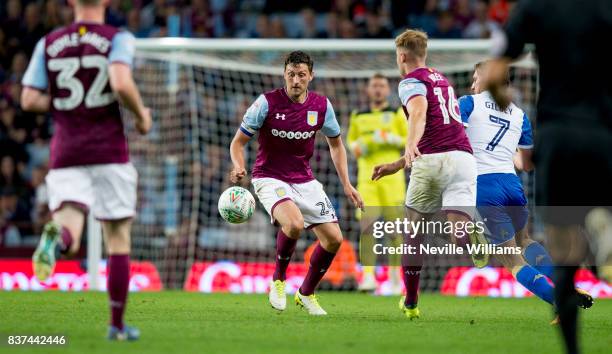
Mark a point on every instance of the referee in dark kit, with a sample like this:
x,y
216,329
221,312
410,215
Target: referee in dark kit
x,y
573,147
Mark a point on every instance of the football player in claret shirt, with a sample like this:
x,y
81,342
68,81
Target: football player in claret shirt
x,y
286,121
77,73
443,174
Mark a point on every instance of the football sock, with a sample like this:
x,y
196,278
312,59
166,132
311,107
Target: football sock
x,y
411,268
118,284
319,264
567,305
536,255
535,282
66,240
285,246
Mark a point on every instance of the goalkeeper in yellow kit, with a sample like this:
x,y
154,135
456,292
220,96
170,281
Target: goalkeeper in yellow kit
x,y
377,135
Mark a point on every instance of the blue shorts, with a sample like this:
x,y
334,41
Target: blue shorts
x,y
501,202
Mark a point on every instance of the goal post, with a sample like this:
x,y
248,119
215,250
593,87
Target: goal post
x,y
184,162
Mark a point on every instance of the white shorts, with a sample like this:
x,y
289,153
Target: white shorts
x,y
445,180
309,197
109,190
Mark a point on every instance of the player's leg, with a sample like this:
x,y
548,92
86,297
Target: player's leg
x,y
117,239
291,222
372,201
534,253
277,198
525,274
411,266
320,216
393,197
423,198
71,219
459,202
330,240
70,194
115,190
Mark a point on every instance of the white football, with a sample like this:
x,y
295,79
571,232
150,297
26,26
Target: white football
x,y
236,205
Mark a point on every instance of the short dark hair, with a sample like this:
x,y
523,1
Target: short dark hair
x,y
88,2
299,57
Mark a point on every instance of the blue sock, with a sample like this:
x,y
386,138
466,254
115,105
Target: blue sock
x,y
536,255
535,281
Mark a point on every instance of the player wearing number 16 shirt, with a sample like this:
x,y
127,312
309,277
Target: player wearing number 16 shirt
x,y
437,149
77,73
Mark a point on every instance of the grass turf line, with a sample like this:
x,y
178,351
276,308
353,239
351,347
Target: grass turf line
x,y
174,321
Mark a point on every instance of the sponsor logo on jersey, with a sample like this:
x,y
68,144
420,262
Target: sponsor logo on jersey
x,y
292,135
312,118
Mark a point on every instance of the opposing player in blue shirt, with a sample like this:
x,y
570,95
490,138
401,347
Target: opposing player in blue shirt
x,y
495,135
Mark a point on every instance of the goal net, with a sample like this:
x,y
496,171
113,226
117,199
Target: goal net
x,y
198,91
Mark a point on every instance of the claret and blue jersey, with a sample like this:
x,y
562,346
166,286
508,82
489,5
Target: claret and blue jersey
x,y
286,133
72,63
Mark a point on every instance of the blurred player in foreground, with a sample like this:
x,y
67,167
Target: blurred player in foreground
x,y
443,172
77,73
377,134
574,126
495,135
286,121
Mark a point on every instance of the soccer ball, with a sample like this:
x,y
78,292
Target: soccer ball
x,y
236,205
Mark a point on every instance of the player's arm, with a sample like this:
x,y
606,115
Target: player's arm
x,y
466,107
123,85
331,130
417,111
412,93
237,154
122,82
34,100
251,122
352,137
507,47
34,97
523,158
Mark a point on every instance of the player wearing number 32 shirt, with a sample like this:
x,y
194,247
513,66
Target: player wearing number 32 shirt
x,y
77,73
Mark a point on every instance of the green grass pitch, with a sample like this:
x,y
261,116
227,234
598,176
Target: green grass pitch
x,y
181,322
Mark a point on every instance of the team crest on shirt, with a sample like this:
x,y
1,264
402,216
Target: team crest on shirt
x,y
312,118
280,192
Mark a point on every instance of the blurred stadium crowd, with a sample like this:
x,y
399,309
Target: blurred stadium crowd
x,y
24,137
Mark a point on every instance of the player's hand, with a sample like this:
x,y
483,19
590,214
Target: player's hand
x,y
353,195
386,169
144,122
237,174
412,153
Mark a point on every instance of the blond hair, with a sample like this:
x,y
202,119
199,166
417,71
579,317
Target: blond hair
x,y
414,41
